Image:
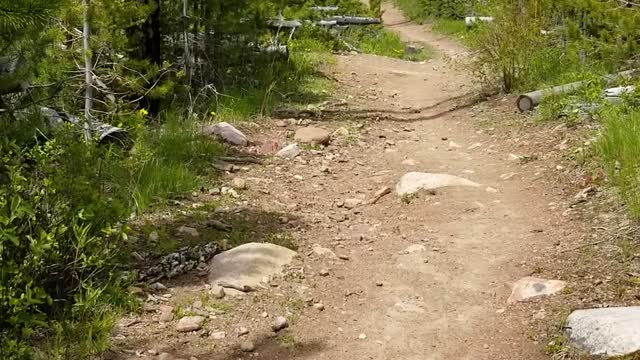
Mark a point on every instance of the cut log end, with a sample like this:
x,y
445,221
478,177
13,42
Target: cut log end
x,y
525,103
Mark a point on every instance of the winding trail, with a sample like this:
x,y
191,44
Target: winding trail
x,y
449,301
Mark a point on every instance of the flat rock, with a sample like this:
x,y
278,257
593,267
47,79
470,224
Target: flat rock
x,y
605,332
190,323
187,230
352,203
247,265
289,152
409,162
416,248
166,313
219,335
529,287
239,183
228,133
247,346
324,252
312,135
413,182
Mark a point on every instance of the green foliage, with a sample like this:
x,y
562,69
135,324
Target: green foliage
x,y
58,242
619,149
422,10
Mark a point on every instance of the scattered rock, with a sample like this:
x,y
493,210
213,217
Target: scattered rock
x,y
187,230
280,123
153,352
228,133
242,331
324,252
413,182
342,131
454,145
352,203
165,356
153,236
239,183
157,287
289,152
379,283
318,306
409,162
324,272
416,248
190,323
529,287
166,313
279,323
362,336
246,265
489,189
313,135
247,346
606,331
218,335
343,257
217,291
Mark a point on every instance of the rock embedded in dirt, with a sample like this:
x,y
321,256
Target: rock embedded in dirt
x,y
409,162
312,135
289,152
166,313
217,291
318,306
228,133
413,182
324,252
352,203
529,287
218,335
416,248
239,183
242,331
190,323
324,272
247,265
247,346
187,230
279,323
165,356
341,131
605,332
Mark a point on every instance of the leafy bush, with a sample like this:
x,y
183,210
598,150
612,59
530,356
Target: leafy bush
x,y
60,234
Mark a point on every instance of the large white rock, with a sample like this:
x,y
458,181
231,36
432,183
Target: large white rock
x,y
413,182
605,332
227,132
529,287
247,265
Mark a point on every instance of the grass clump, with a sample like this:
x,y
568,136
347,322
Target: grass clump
x,y
619,149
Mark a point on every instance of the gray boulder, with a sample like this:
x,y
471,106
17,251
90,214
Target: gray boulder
x,y
605,332
228,133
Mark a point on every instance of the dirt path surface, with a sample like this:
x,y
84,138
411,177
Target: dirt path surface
x,y
415,278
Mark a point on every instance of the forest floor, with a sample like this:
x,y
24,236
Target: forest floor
x,y
443,299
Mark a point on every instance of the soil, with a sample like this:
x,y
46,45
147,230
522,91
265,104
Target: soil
x,y
445,301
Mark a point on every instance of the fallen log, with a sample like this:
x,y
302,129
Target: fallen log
x,y
355,20
528,101
324,8
469,21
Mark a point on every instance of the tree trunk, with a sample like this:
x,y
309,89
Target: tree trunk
x,y
88,71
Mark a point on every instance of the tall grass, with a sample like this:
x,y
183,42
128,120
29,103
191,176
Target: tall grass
x,y
619,149
170,159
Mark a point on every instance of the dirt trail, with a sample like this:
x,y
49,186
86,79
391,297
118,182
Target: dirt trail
x,y
448,302
445,301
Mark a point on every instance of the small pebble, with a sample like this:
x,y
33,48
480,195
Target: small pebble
x,y
318,306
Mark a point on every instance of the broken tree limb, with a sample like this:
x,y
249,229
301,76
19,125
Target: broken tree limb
x,y
240,160
528,101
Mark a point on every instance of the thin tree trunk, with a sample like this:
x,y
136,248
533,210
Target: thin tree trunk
x,y
88,77
187,55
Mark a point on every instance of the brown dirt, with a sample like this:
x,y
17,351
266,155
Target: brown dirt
x,y
448,302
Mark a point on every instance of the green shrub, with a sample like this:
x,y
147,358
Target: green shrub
x,y
59,225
